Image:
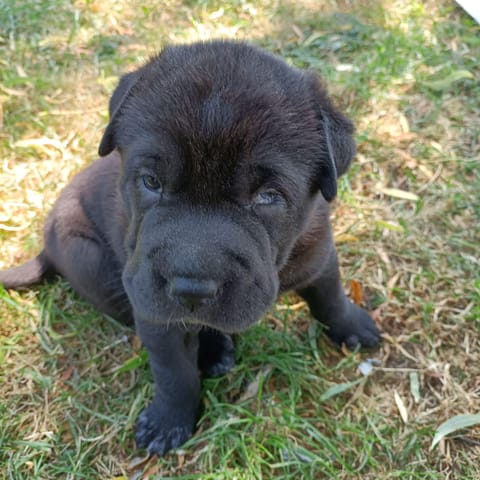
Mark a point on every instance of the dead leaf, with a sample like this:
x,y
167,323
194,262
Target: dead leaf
x,y
345,238
377,315
345,350
12,92
136,343
40,143
152,470
293,307
21,72
405,137
393,281
138,463
252,387
356,292
397,193
384,257
66,374
409,161
298,32
401,407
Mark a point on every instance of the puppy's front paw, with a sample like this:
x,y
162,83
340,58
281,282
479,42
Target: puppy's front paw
x,y
158,432
356,330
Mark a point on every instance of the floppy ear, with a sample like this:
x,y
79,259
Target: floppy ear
x,y
120,94
337,144
339,149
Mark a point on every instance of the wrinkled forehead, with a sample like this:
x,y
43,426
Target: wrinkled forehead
x,y
214,173
209,131
206,138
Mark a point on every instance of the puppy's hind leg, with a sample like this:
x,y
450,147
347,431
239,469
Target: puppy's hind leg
x,y
93,272
216,353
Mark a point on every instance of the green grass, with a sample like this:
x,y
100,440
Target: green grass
x,y
67,411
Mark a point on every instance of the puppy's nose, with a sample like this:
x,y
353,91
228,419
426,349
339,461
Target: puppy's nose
x,y
192,292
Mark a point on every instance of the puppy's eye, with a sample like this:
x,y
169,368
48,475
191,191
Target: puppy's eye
x,y
267,197
152,183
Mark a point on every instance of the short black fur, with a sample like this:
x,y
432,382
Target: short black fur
x,y
244,152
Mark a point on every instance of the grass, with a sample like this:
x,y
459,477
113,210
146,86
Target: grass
x,y
407,227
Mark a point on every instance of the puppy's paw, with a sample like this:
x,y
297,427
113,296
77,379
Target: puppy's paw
x,y
356,330
158,433
216,355
225,362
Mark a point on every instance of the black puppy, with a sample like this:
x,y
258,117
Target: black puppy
x,y
212,196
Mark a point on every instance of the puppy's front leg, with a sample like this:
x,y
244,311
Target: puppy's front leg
x,y
328,303
170,419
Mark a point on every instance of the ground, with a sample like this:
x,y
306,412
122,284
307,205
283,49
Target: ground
x,y
72,382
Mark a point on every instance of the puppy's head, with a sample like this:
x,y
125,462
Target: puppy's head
x,y
225,151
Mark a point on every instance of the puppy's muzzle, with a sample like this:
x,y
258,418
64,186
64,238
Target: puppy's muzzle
x,y
192,292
